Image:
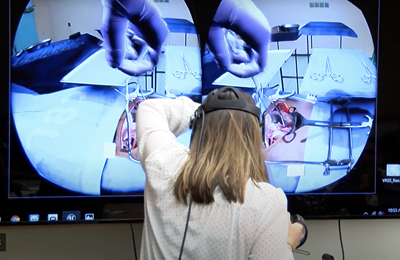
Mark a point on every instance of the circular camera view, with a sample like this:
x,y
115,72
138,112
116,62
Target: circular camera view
x,y
80,69
310,67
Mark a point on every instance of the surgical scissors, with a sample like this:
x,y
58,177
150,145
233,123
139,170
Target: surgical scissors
x,y
181,74
369,76
326,71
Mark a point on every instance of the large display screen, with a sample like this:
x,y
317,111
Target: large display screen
x,y
311,67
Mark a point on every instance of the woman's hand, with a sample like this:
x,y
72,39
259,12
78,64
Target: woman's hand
x,y
295,234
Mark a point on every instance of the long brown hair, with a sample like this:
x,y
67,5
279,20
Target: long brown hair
x,y
229,155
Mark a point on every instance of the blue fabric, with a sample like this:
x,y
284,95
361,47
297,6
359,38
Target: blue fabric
x,y
43,69
63,133
348,64
327,28
317,144
176,25
174,62
278,177
121,174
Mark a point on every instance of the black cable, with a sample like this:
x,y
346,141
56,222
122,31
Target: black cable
x,y
186,228
302,252
340,239
133,240
190,203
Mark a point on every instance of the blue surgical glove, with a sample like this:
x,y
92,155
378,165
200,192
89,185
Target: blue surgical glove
x,y
247,21
137,23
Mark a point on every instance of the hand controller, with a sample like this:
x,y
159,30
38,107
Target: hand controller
x,y
299,219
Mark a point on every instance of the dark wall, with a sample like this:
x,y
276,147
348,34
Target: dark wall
x,y
389,61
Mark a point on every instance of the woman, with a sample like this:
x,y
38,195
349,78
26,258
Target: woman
x,y
235,212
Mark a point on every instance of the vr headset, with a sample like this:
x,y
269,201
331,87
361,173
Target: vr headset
x,y
213,103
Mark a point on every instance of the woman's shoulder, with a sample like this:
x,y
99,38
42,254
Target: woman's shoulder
x,y
265,195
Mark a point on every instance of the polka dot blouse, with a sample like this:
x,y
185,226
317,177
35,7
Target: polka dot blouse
x,y
256,229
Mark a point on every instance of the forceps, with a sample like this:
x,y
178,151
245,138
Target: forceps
x,y
259,97
131,97
369,76
181,74
326,71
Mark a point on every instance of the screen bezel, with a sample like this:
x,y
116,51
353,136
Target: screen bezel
x,y
23,207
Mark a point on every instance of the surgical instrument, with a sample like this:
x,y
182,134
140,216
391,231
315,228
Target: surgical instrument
x,y
289,123
350,139
339,163
369,76
181,74
135,94
259,97
327,165
280,95
299,121
132,97
127,118
329,161
326,71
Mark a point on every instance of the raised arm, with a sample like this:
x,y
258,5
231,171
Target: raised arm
x,y
159,121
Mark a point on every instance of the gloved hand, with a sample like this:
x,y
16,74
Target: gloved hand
x,y
247,21
137,23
